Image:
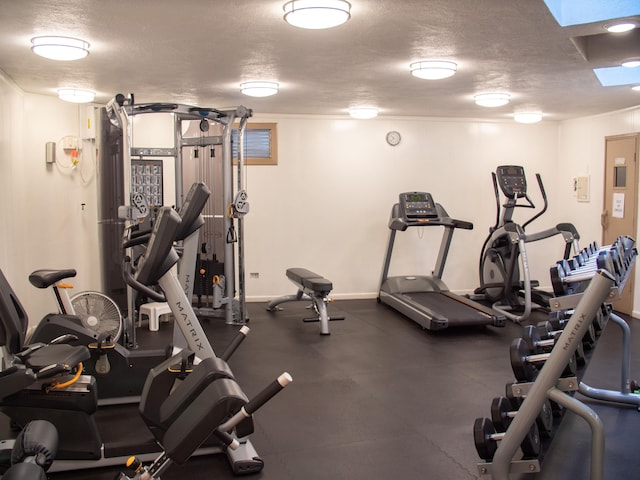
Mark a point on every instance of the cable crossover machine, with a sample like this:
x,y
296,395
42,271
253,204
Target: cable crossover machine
x,y
202,151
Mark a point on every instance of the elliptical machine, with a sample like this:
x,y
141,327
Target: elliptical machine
x,y
504,266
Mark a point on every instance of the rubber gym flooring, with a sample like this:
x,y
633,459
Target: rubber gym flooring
x,y
381,398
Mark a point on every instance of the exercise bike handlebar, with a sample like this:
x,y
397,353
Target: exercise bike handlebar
x,y
141,239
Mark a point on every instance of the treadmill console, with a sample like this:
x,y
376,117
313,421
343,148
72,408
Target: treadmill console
x,y
512,181
417,205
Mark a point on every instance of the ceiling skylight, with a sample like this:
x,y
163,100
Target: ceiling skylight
x,y
613,76
572,12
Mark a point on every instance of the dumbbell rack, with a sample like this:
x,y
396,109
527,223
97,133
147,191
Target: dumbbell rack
x,y
587,301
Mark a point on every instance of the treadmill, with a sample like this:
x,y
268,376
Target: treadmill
x,y
425,299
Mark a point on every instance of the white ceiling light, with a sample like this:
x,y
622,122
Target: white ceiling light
x,y
60,48
633,63
76,95
636,88
363,113
527,114
620,27
316,14
433,69
492,99
259,89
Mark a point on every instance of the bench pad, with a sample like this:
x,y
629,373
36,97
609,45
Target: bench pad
x,y
309,279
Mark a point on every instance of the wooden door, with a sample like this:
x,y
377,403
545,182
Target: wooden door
x,y
619,216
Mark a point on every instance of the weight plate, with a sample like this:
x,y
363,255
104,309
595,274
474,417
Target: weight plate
x,y
532,338
572,367
531,443
523,370
545,419
483,432
500,408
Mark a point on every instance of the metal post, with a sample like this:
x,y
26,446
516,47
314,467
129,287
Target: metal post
x,y
241,187
595,423
227,200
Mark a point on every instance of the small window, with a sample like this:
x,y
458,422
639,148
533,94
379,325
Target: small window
x,y
260,143
620,174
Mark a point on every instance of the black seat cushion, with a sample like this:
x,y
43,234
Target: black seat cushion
x,y
57,354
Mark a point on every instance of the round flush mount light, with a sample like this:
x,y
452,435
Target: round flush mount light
x,y
620,27
316,14
527,114
433,69
76,95
363,113
492,100
259,89
631,63
60,48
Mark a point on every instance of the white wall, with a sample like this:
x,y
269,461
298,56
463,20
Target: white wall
x,y
327,203
45,224
581,152
11,115
324,207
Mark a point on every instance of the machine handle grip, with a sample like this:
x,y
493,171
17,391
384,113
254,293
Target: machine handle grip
x,y
226,439
66,338
462,224
28,351
235,343
268,393
256,402
140,287
51,370
139,240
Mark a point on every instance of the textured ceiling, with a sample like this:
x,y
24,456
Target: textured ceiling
x,y
198,51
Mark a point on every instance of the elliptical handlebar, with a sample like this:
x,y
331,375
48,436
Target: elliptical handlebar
x,y
544,199
129,279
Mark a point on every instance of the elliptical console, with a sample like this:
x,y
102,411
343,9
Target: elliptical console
x,y
512,181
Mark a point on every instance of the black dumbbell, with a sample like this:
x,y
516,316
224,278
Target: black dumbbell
x,y
525,364
503,413
516,401
600,319
590,336
486,440
537,344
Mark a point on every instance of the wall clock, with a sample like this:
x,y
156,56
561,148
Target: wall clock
x,y
393,138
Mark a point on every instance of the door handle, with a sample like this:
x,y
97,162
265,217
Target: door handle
x,y
604,219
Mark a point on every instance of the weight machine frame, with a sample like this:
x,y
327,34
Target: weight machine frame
x,y
120,111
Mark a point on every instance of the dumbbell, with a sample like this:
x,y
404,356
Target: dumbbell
x,y
588,340
525,364
516,401
558,319
503,413
537,344
569,276
600,319
486,440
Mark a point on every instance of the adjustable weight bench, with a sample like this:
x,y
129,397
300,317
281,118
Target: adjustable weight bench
x,y
311,286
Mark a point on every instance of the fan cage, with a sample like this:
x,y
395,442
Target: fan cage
x,y
98,313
